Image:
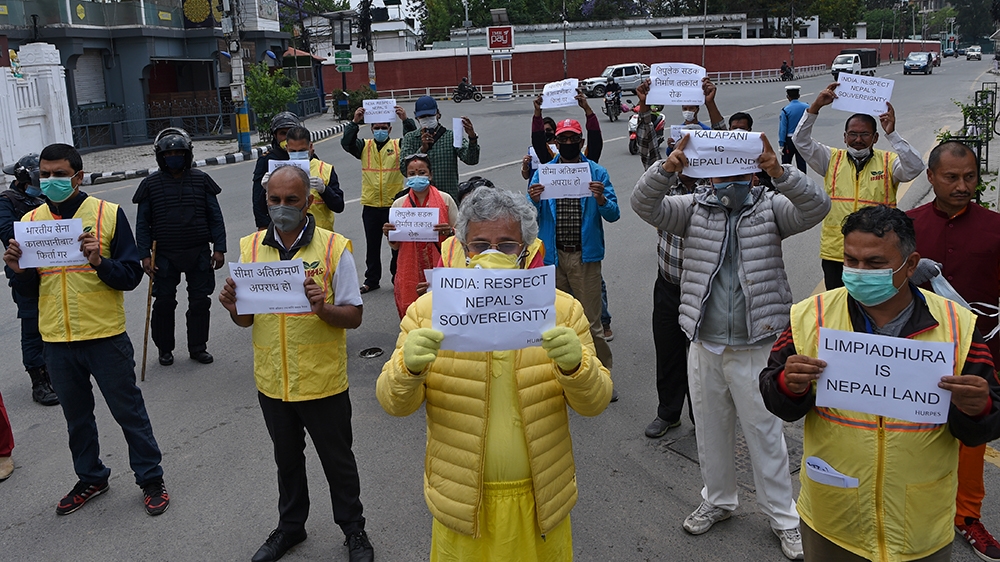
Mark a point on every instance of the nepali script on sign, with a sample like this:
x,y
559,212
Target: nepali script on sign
x,y
719,154
863,94
560,94
49,243
300,164
493,309
379,111
884,376
414,224
675,83
565,181
274,287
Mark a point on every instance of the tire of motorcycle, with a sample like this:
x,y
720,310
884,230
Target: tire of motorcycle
x,y
477,96
457,98
633,147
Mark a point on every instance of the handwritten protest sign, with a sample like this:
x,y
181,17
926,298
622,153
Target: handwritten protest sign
x,y
457,131
493,309
885,376
380,110
565,181
49,243
413,224
273,165
719,154
676,132
270,287
675,83
560,94
863,94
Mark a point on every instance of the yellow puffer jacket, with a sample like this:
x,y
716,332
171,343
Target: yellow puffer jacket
x,y
456,388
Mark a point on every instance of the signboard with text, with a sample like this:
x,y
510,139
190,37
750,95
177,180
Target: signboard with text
x,y
500,37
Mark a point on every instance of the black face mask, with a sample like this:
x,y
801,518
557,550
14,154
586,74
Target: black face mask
x,y
569,151
549,137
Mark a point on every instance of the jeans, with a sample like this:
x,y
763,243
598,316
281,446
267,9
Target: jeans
x,y
671,352
110,362
31,340
789,153
196,265
374,218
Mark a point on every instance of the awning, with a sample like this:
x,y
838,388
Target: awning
x,y
290,52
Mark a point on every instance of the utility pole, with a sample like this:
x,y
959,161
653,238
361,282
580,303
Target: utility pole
x,y
365,38
564,26
237,85
792,35
704,33
468,50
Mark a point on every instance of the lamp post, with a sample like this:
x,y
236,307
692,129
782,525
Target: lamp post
x,y
791,34
468,51
564,26
704,33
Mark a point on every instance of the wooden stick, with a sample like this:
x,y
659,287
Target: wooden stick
x,y
149,311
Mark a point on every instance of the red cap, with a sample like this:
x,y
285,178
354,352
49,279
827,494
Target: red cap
x,y
569,125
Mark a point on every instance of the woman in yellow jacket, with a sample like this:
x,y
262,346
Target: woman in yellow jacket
x,y
497,490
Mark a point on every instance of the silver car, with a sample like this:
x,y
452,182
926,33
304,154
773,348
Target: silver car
x,y
628,76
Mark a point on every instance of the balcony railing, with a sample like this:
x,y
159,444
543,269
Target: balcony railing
x,y
165,13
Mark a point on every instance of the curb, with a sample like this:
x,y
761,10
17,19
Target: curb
x,y
96,178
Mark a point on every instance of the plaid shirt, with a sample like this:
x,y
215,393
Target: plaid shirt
x,y
569,222
444,158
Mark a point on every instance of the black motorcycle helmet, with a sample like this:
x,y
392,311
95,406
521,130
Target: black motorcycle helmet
x,y
473,183
169,139
25,170
283,120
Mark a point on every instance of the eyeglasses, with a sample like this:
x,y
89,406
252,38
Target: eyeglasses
x,y
569,140
509,248
852,135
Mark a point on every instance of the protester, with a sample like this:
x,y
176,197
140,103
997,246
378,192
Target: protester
x,y
381,180
573,232
300,366
82,322
179,211
497,419
690,112
22,196
734,301
437,142
855,176
6,444
415,257
280,124
543,137
788,121
964,239
323,183
902,506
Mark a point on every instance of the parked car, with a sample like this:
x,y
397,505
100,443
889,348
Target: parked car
x,y
960,52
628,76
949,52
918,62
974,52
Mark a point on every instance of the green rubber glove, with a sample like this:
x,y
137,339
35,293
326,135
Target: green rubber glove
x,y
421,348
563,346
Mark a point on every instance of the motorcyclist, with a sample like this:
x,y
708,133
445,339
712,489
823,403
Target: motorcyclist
x,y
465,88
613,87
786,71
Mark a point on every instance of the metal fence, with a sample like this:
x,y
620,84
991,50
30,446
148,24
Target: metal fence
x,y
139,124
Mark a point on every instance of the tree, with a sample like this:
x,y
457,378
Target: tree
x,y
971,20
268,94
291,14
837,15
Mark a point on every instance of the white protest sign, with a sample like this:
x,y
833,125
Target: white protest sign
x,y
270,287
379,111
676,132
273,165
49,243
560,94
565,181
675,83
719,154
863,94
413,224
429,276
884,376
457,132
534,158
493,309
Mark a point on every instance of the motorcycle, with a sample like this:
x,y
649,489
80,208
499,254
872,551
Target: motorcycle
x,y
469,93
612,105
787,75
633,137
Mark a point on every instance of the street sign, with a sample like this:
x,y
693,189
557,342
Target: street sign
x,y
342,57
345,68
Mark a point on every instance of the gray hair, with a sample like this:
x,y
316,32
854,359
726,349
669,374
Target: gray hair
x,y
297,173
489,205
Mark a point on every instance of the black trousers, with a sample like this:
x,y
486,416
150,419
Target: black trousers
x,y
374,218
328,421
196,265
671,351
833,272
789,152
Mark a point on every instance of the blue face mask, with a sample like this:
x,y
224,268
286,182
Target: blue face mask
x,y
418,183
32,190
57,189
299,155
381,135
175,162
870,287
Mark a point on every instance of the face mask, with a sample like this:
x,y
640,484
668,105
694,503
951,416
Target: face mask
x,y
493,259
569,151
299,155
870,287
286,218
283,145
859,154
32,191
418,183
381,135
57,189
688,116
174,162
549,137
732,194
428,122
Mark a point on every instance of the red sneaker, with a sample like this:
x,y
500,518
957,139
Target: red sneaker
x,y
983,544
78,496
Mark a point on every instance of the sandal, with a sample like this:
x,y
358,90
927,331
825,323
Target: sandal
x,y
365,288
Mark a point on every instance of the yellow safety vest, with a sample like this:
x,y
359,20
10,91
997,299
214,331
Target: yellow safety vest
x,y
298,356
849,192
323,215
73,303
904,506
380,176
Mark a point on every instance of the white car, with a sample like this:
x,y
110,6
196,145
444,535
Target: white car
x,y
974,52
628,76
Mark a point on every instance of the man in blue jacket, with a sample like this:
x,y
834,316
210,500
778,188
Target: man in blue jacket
x,y
573,231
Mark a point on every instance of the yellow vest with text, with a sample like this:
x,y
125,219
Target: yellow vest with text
x,y
904,505
849,192
323,215
299,356
73,303
380,176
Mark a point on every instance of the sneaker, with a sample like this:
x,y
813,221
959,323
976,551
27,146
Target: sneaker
x,y
79,495
608,334
614,394
704,517
359,548
659,426
155,497
277,544
983,543
791,542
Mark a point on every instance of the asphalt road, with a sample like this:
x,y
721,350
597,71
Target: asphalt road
x,y
634,492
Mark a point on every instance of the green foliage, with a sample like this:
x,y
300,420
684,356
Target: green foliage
x,y
837,14
973,21
354,97
268,93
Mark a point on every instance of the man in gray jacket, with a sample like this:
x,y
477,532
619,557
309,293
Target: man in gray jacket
x,y
735,300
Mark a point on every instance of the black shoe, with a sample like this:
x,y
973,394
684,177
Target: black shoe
x,y
659,426
166,358
202,357
359,549
277,544
155,497
79,495
614,394
41,388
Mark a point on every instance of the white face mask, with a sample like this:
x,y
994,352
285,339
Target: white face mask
x,y
688,116
428,122
859,154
